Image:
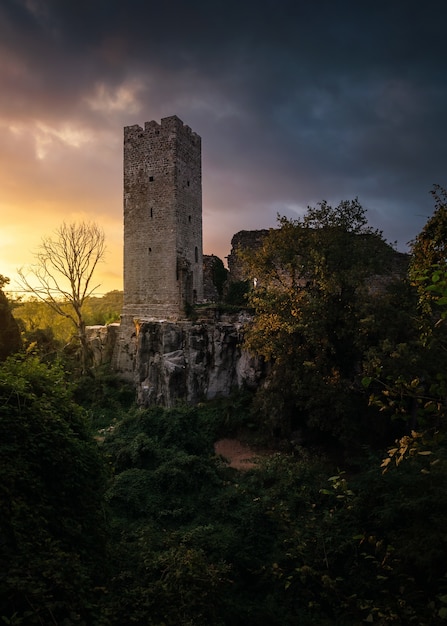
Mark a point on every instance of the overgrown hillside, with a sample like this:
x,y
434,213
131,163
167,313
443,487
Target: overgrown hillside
x,y
111,514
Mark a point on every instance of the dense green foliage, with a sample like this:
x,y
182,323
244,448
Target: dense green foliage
x,y
191,541
292,541
219,275
10,340
51,484
237,293
316,312
113,515
50,332
429,248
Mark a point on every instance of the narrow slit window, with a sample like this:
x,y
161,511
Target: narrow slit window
x,y
196,254
151,179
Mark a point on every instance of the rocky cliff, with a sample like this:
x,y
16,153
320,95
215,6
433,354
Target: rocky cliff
x,y
184,361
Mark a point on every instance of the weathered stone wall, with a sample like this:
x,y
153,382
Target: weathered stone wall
x,y
243,240
253,239
210,293
162,220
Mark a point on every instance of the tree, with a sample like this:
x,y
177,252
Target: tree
x,y
64,271
219,275
51,485
411,383
408,380
10,340
429,249
313,285
104,310
430,246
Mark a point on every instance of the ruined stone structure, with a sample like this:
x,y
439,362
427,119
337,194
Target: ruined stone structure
x,y
162,220
163,255
243,240
193,361
181,361
167,356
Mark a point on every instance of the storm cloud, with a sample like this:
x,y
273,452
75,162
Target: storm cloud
x,y
295,103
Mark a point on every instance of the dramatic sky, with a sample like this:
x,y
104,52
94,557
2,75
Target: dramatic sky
x,y
295,102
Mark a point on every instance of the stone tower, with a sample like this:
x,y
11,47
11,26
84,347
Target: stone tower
x,y
163,257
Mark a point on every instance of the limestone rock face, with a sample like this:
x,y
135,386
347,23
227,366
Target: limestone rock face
x,y
190,362
102,341
185,361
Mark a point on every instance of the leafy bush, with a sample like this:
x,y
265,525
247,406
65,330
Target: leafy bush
x,y
51,484
292,541
105,397
237,293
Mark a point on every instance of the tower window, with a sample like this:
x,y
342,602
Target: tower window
x,y
152,212
151,179
150,250
187,182
189,218
196,254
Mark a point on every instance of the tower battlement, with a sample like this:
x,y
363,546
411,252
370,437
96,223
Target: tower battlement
x,y
172,124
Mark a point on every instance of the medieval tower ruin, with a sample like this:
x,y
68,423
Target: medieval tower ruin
x,y
163,258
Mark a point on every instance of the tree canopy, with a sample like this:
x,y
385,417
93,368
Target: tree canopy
x,y
429,250
51,485
305,536
10,340
429,247
315,278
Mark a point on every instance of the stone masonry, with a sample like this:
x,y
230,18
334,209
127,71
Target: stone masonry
x,y
243,240
163,253
162,220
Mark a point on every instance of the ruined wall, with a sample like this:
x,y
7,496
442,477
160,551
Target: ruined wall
x,y
162,220
243,240
209,289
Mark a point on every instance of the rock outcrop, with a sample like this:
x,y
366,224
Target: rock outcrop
x,y
102,342
185,361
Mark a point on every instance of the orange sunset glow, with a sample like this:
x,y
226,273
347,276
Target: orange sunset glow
x,y
286,119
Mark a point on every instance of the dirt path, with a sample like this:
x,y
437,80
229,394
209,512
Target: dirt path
x,y
236,454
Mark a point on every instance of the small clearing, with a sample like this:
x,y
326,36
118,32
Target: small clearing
x,y
236,454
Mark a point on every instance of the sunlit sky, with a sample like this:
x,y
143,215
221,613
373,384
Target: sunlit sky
x,y
295,102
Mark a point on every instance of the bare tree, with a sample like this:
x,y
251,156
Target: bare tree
x,y
63,273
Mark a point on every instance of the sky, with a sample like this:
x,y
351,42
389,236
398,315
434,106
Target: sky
x,y
296,102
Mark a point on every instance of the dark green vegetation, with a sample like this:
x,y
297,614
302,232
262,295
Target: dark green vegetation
x,y
52,479
114,515
51,334
10,340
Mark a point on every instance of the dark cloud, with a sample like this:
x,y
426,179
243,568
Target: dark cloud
x,y
295,101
